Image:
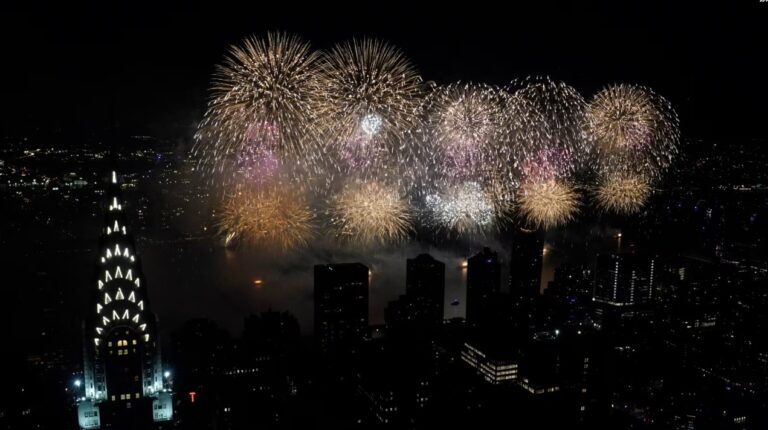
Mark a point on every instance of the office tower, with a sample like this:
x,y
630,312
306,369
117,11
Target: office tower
x,y
341,306
123,377
425,284
483,284
525,263
495,364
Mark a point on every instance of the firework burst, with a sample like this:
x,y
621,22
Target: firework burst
x,y
548,204
635,130
360,119
465,209
548,116
464,121
622,194
267,217
262,110
370,213
371,99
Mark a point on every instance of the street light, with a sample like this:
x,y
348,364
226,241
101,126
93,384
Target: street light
x,y
78,383
167,374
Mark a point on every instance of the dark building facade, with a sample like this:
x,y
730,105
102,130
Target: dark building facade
x,y
525,263
483,284
123,376
425,282
341,305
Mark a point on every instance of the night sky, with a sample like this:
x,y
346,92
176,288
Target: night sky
x,y
143,68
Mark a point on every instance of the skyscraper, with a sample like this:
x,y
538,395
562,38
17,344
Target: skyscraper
x,y
123,375
483,284
425,281
525,263
341,306
624,279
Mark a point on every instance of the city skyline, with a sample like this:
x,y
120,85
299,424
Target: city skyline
x,y
232,216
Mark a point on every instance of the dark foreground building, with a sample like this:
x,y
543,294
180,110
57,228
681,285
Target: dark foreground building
x,y
483,284
341,306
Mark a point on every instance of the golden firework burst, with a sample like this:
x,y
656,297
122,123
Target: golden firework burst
x,y
548,204
622,194
370,213
271,217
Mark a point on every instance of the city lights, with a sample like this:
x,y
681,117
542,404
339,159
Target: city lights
x,y
387,216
